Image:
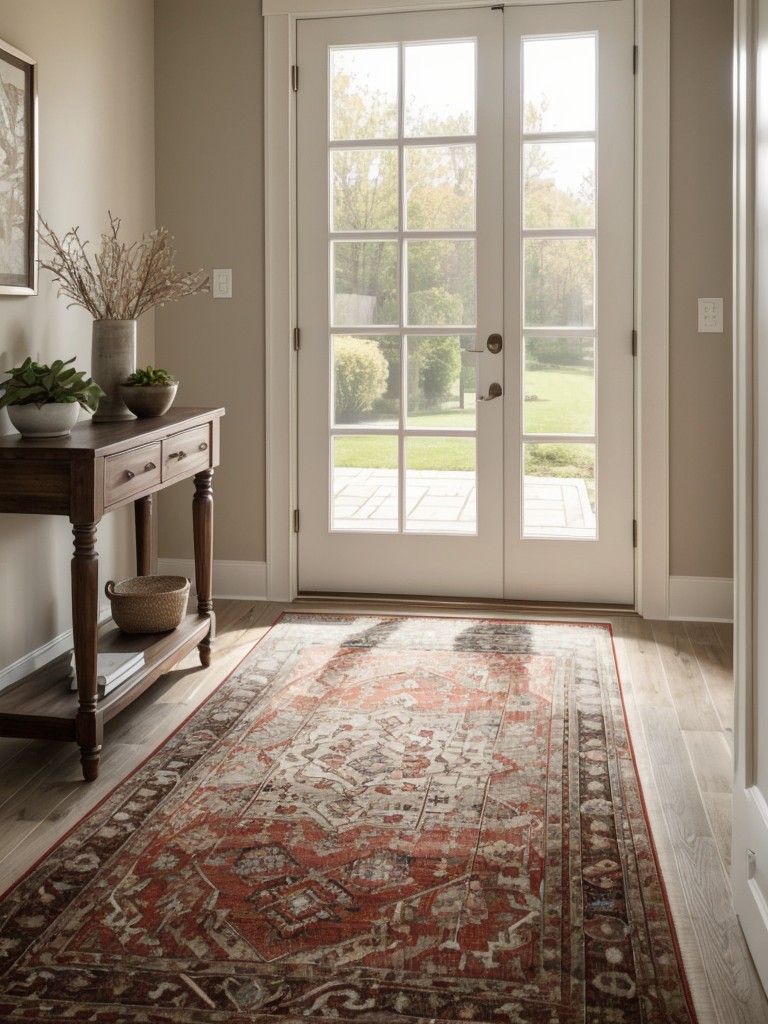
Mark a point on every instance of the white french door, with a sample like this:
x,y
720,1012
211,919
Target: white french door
x,y
465,303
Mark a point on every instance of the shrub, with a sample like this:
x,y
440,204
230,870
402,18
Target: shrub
x,y
360,377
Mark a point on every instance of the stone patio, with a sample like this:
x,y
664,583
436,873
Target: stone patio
x,y
444,502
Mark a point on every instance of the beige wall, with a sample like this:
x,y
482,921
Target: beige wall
x,y
701,521
210,195
95,64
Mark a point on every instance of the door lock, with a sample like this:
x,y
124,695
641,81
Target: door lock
x,y
494,344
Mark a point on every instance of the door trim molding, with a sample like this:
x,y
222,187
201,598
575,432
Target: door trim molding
x,y
322,9
652,276
652,307
280,304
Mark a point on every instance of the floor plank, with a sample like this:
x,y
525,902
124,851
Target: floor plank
x,y
690,695
647,671
715,660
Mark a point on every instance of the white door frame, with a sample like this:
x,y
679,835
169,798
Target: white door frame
x,y
749,243
651,286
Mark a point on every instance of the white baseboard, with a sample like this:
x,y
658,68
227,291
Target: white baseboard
x,y
244,580
701,598
29,662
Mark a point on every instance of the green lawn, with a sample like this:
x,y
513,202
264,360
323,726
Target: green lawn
x,y
440,453
564,404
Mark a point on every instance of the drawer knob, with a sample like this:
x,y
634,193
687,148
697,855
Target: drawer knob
x,y
203,446
150,465
178,455
130,474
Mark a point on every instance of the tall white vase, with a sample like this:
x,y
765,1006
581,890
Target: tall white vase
x,y
113,358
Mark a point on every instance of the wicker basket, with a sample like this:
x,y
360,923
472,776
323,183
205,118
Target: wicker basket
x,y
148,604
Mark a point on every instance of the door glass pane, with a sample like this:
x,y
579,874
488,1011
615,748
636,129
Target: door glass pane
x,y
559,491
559,382
439,96
441,383
559,184
559,282
365,283
558,180
559,84
365,487
364,92
440,188
366,380
435,188
441,282
364,187
440,489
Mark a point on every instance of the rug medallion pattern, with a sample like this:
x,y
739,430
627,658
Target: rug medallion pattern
x,y
372,820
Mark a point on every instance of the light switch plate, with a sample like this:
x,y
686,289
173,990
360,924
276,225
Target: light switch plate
x,y
710,316
221,284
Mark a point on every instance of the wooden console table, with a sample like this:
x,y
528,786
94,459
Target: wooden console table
x,y
98,468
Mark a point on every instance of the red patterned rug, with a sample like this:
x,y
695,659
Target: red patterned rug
x,y
374,819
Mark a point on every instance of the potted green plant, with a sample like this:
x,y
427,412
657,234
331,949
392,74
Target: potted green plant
x,y
149,391
45,401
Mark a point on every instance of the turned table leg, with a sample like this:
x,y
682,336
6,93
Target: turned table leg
x,y
202,536
85,605
142,516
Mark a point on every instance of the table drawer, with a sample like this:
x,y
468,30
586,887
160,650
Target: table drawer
x,y
187,452
132,472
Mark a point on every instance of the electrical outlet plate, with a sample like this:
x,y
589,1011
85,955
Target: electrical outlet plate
x,y
710,316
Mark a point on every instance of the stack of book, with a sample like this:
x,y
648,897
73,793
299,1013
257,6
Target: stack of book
x,y
113,669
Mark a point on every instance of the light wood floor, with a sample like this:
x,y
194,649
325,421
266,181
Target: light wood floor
x,y
678,687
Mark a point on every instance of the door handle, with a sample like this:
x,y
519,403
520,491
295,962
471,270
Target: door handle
x,y
494,391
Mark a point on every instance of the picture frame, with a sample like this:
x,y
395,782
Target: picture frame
x,y
18,172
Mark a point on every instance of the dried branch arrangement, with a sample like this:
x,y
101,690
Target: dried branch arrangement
x,y
121,281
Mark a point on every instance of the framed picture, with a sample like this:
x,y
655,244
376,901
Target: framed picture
x,y
18,172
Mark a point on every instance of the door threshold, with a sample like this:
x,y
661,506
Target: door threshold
x,y
498,606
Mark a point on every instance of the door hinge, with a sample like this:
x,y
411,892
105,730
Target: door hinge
x,y
295,520
635,59
634,533
295,77
296,339
497,7
634,342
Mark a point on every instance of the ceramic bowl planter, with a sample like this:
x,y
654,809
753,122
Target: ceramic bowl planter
x,y
151,400
45,401
149,391
55,419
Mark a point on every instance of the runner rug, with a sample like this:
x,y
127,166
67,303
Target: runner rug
x,y
374,819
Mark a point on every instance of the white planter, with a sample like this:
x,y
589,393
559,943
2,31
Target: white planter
x,y
55,419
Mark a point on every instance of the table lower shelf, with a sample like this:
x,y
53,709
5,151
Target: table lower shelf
x,y
42,705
